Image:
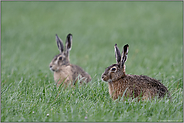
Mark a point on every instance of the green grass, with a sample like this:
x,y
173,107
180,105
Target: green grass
x,y
28,93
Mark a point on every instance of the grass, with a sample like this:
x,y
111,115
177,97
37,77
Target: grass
x,y
28,93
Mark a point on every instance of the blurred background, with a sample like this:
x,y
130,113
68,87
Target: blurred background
x,y
152,29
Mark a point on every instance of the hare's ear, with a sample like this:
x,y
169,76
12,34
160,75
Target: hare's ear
x,y
124,54
68,43
59,44
117,54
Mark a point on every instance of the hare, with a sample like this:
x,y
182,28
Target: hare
x,y
64,72
132,86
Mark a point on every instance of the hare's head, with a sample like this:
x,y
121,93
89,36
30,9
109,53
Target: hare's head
x,y
62,58
116,71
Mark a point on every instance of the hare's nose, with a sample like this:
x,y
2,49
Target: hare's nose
x,y
50,66
103,76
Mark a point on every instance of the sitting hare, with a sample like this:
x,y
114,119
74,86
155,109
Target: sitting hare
x,y
133,86
64,72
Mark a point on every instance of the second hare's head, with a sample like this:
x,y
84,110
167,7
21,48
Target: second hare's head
x,y
116,71
62,58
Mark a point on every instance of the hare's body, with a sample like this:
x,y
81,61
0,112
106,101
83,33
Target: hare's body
x,y
133,86
70,74
63,76
64,72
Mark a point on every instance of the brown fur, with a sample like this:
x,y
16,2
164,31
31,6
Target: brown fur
x,y
134,86
68,75
64,72
131,85
79,72
63,76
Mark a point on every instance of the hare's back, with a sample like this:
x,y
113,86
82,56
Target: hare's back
x,y
78,71
146,83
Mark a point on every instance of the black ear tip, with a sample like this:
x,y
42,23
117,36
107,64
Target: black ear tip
x,y
126,45
69,35
57,36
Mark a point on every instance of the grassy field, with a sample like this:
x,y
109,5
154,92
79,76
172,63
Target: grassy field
x,y
28,93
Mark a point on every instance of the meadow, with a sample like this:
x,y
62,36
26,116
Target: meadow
x,y
153,31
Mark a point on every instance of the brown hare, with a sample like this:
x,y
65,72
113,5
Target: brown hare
x,y
64,72
132,86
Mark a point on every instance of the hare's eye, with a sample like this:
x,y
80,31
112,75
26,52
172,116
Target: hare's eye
x,y
113,69
60,58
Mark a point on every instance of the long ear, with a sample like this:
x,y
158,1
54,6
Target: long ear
x,y
68,43
124,54
117,54
59,44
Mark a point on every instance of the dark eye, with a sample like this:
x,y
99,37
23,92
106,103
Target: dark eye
x,y
60,58
113,69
